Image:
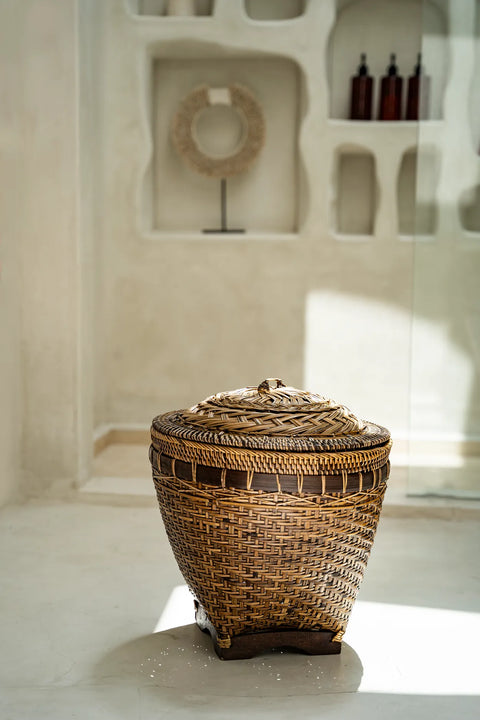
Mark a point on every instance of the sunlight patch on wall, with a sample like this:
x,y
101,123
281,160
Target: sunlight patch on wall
x,y
365,354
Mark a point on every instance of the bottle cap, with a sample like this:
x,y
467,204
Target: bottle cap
x,y
363,67
392,68
418,67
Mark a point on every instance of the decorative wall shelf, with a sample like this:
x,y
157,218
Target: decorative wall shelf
x,y
178,200
376,134
366,170
379,28
356,190
204,239
325,207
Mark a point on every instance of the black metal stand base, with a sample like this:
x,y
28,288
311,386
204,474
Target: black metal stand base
x,y
223,212
221,231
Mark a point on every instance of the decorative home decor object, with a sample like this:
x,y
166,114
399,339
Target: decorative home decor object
x,y
390,100
188,145
270,497
418,93
361,92
251,142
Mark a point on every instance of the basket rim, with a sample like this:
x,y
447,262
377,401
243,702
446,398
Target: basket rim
x,y
173,424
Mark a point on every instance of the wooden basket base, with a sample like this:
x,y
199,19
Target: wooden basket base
x,y
311,642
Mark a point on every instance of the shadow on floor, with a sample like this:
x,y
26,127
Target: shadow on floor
x,y
177,675
183,658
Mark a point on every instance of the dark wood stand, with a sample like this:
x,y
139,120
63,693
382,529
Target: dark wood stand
x,y
311,642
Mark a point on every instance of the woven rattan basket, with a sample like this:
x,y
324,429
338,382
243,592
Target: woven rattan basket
x,y
270,497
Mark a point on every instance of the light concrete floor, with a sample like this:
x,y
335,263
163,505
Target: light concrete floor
x,y
95,623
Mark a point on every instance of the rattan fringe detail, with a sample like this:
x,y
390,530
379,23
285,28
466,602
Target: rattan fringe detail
x,y
258,561
271,462
342,482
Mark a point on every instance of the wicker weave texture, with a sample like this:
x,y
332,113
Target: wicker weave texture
x,y
271,498
175,425
324,423
322,484
271,461
283,411
258,561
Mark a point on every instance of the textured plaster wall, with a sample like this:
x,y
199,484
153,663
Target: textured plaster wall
x,y
41,247
189,316
110,319
49,282
10,402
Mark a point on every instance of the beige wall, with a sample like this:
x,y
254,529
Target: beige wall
x,y
109,318
10,204
185,315
41,372
49,248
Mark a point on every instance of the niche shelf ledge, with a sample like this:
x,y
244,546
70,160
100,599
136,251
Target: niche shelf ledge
x,y
344,237
406,132
199,237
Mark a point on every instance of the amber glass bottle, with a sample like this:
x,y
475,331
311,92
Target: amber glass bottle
x,y
362,92
390,104
418,93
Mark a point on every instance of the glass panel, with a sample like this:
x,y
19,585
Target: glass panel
x,y
445,363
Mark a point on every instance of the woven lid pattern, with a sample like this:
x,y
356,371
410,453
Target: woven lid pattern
x,y
270,417
273,409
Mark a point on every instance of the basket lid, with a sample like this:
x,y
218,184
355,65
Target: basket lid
x,y
273,416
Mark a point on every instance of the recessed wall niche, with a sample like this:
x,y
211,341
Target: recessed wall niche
x,y
264,199
416,190
475,86
164,8
469,207
381,27
274,9
355,199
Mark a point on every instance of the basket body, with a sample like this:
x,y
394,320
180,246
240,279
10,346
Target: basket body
x,y
269,539
260,560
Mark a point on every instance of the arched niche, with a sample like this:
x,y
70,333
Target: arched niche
x,y
264,199
160,8
264,10
416,191
355,191
475,86
469,209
